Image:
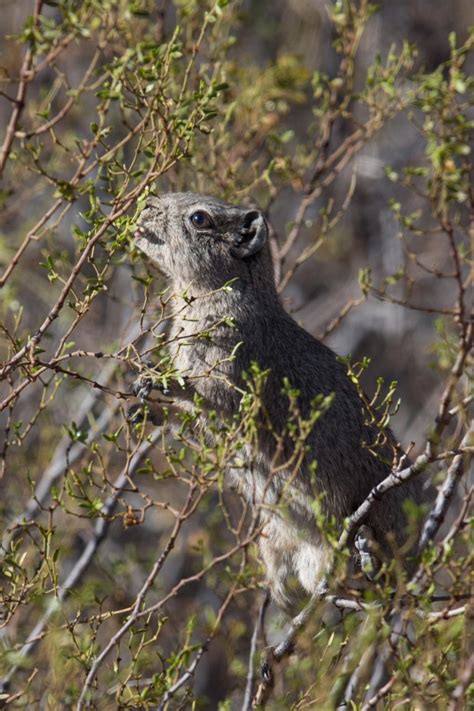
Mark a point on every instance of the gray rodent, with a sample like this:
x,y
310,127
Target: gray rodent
x,y
201,243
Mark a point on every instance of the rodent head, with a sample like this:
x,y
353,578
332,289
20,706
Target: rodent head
x,y
199,240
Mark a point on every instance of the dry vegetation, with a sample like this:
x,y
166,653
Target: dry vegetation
x,y
130,576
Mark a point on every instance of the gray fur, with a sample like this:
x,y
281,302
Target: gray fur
x,y
202,261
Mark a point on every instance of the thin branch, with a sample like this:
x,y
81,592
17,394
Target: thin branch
x,y
458,696
83,562
445,494
258,627
58,462
188,674
25,78
29,347
378,688
67,106
285,647
396,477
342,314
135,613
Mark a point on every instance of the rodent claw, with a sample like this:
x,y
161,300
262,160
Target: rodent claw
x,y
142,387
266,672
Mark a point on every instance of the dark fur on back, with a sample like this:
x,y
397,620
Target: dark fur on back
x,y
200,261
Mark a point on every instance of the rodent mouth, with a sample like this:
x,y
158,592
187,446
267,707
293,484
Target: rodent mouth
x,y
143,233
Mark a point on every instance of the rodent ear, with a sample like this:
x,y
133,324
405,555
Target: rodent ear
x,y
251,237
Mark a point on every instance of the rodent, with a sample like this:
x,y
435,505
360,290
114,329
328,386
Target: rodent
x,y
200,244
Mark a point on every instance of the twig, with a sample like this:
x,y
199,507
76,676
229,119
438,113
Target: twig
x,y
65,450
192,667
445,494
67,106
188,674
80,567
29,348
383,691
247,703
378,687
58,462
299,621
458,696
366,658
135,613
342,314
285,647
447,614
396,477
25,77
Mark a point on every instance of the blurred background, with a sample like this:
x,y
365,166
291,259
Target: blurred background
x,y
245,123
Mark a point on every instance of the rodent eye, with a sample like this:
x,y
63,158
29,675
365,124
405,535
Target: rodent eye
x,y
201,220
